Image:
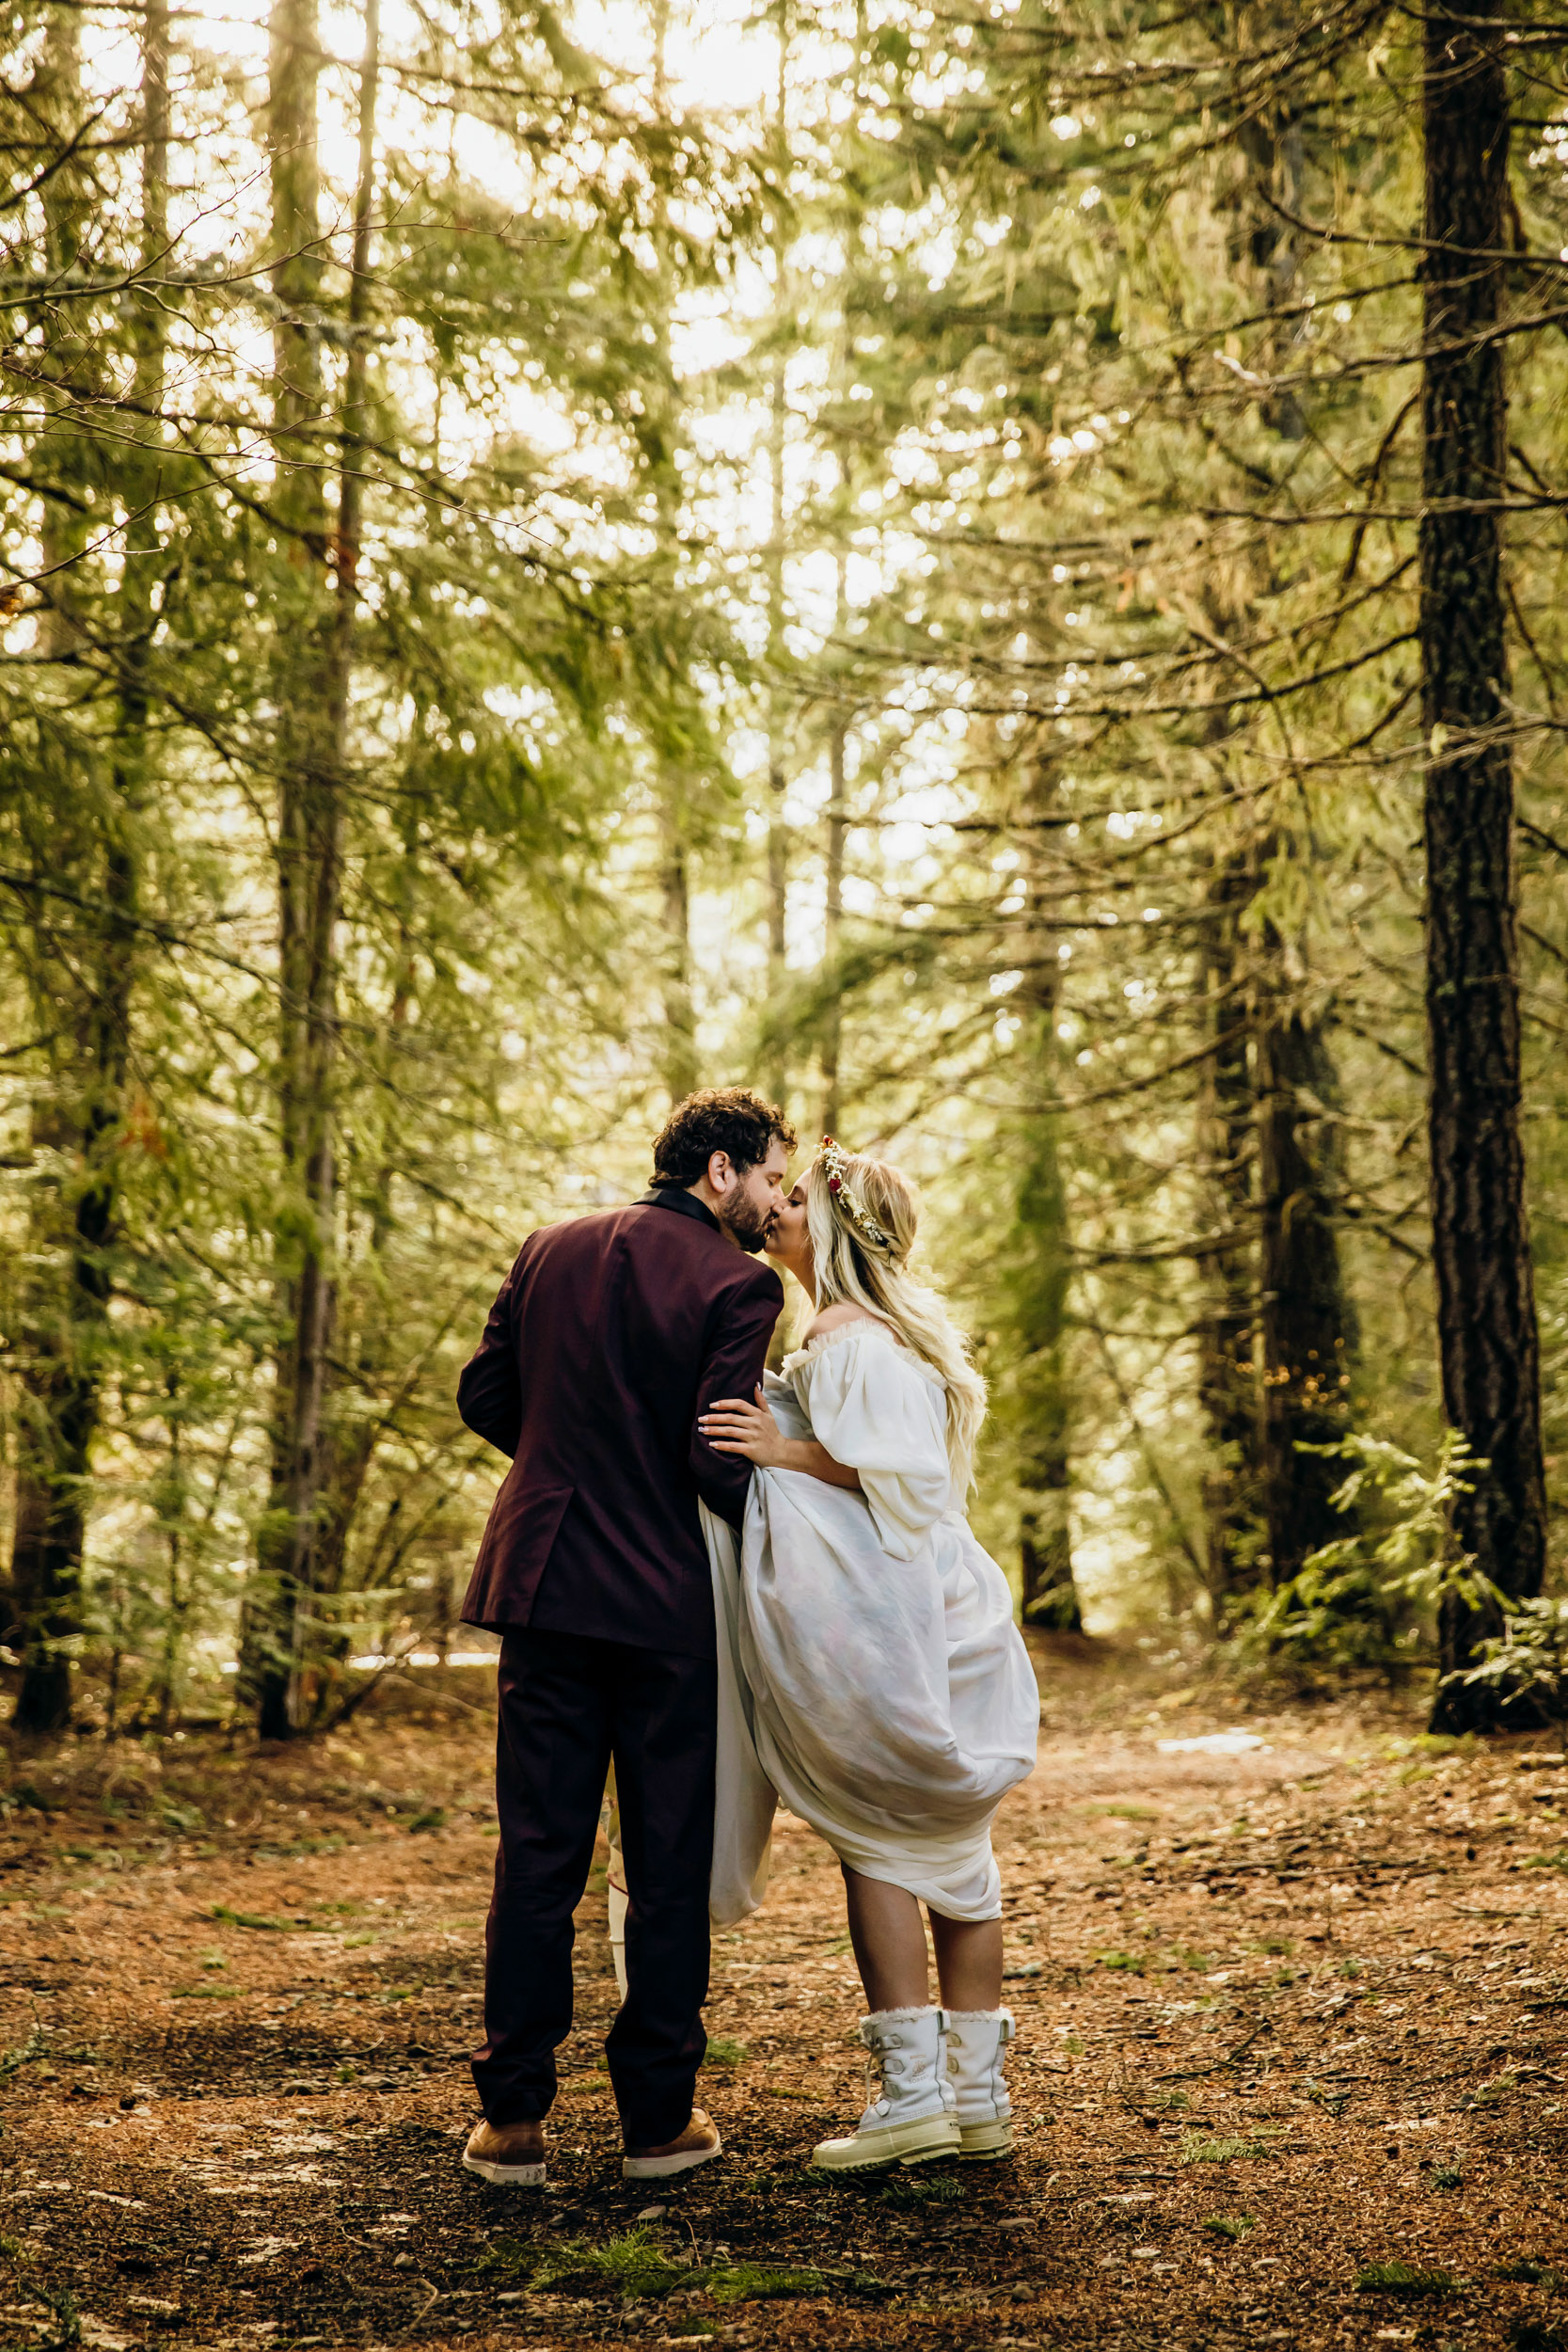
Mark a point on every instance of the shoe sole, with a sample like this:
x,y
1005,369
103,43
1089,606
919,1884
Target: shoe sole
x,y
983,2143
913,2143
664,2167
506,2175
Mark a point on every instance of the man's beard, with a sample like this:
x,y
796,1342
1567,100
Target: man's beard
x,y
747,1225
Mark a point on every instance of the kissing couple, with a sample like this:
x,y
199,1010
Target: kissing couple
x,y
738,1591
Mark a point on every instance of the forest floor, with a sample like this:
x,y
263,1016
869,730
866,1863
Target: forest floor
x,y
1293,2065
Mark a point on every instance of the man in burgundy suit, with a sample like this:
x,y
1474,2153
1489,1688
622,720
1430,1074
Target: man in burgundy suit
x,y
611,1335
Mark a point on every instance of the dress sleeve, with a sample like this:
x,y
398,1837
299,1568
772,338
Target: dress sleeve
x,y
877,1412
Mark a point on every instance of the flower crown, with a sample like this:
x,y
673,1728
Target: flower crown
x,y
833,1157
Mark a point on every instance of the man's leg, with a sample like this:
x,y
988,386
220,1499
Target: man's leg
x,y
552,1748
664,1733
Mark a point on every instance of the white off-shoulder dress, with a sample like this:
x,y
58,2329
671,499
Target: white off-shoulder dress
x,y
870,1670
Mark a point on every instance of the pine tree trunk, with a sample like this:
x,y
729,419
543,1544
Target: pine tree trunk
x,y
1481,1243
1307,1326
832,924
1227,1387
63,1380
1041,1277
309,856
681,1069
778,846
660,433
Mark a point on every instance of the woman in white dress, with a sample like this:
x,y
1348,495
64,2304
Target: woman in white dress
x,y
892,1700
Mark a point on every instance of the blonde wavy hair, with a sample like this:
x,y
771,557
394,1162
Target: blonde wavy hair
x,y
852,1269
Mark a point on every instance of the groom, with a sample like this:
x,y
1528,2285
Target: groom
x,y
611,1335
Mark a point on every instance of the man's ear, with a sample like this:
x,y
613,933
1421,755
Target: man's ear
x,y
719,1171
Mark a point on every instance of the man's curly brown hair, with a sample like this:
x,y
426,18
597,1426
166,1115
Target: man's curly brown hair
x,y
719,1119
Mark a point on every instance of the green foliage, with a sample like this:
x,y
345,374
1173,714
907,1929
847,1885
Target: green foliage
x,y
638,2267
724,2050
1208,2148
1230,2225
635,2263
1351,1604
1527,1663
757,2282
1403,2279
909,2193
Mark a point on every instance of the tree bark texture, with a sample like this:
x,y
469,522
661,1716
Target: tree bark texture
x,y
1308,1321
1042,1275
73,1225
681,1067
1041,1281
311,701
832,923
1228,1384
778,845
1273,155
1481,1268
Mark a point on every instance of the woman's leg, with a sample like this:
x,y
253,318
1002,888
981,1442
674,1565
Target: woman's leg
x,y
889,1937
969,1962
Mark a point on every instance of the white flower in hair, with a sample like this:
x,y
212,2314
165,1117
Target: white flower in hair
x,y
833,1157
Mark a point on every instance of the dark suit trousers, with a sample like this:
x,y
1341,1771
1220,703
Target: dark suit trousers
x,y
566,1705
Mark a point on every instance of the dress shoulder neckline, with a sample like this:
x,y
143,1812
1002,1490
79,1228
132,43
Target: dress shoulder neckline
x,y
801,1356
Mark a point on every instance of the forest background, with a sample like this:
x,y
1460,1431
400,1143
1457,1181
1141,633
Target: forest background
x,y
995,571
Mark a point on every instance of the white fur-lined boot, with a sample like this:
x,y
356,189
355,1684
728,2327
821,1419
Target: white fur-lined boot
x,y
977,2038
912,2117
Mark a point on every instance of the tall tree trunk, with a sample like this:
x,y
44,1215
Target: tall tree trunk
x,y
1280,1323
1272,152
659,435
309,1500
1307,1321
833,926
1227,1387
681,1069
1042,1274
310,706
63,1382
1480,1242
778,845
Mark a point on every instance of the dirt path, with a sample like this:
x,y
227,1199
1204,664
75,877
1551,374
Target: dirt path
x,y
1283,2016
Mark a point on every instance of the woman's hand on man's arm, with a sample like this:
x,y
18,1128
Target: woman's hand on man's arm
x,y
731,1426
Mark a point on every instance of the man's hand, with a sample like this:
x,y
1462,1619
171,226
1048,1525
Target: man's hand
x,y
733,1426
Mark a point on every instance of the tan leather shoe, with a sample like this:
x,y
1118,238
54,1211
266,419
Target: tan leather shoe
x,y
697,2144
511,2155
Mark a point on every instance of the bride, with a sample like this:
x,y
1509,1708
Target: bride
x,y
890,1698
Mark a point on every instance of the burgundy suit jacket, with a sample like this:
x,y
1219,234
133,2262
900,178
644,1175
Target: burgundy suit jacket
x,y
608,1336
